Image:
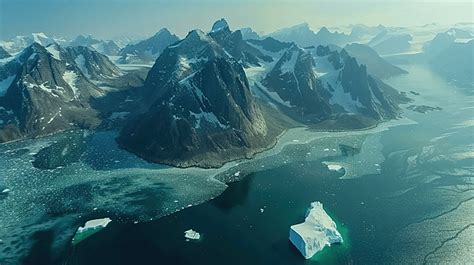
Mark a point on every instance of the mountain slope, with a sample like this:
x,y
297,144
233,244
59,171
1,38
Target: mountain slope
x,y
316,84
44,90
388,42
293,79
376,65
4,54
93,65
456,62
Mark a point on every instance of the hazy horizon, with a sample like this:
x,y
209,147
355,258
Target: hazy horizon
x,y
69,18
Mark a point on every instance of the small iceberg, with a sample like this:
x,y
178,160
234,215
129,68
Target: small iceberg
x,y
91,227
317,231
191,234
334,167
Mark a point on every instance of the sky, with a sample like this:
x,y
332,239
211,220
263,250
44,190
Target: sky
x,y
114,18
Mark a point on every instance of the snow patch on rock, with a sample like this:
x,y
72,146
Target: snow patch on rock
x,y
54,51
70,77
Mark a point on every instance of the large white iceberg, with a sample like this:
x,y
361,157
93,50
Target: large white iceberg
x,y
317,231
91,227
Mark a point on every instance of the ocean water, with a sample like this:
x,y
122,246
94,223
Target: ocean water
x,y
406,197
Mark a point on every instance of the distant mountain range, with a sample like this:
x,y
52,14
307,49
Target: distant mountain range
x,y
303,36
451,53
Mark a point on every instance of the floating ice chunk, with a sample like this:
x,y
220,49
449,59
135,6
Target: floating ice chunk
x,y
91,227
191,234
317,231
334,167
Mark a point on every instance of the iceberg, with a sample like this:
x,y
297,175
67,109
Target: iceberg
x,y
191,234
334,167
317,231
91,227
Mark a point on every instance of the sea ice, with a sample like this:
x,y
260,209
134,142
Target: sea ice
x,y
317,231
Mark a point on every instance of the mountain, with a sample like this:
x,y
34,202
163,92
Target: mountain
x,y
300,34
293,79
325,37
443,40
391,42
108,47
249,34
148,50
18,43
316,84
82,40
456,62
4,54
303,36
376,65
201,111
93,65
47,89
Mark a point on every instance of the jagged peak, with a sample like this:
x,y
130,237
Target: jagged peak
x,y
197,34
163,31
219,25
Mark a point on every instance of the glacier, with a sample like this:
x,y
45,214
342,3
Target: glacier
x,y
317,231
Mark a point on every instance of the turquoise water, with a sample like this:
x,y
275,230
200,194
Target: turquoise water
x,y
407,197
